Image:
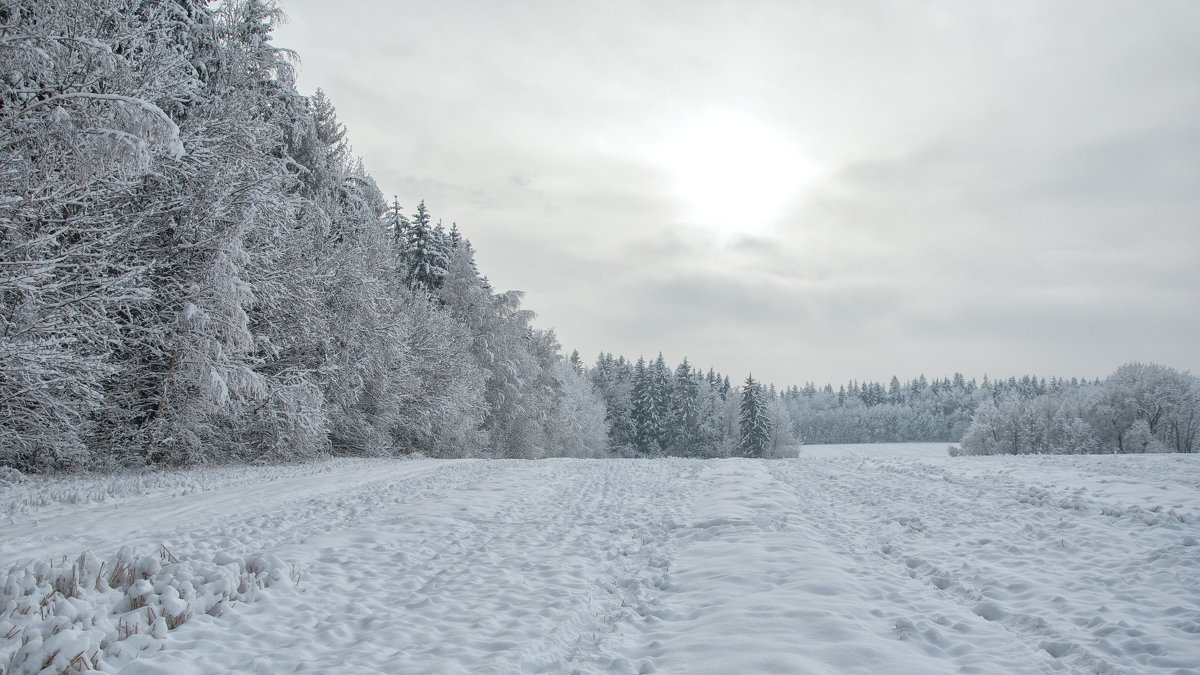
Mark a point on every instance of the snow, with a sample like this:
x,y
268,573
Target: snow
x,y
917,451
887,558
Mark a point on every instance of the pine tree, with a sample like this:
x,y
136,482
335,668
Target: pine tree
x,y
683,431
642,411
426,251
660,394
753,422
710,432
398,224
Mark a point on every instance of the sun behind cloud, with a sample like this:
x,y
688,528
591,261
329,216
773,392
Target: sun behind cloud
x,y
731,172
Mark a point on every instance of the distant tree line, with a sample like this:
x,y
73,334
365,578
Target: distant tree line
x,y
653,410
1139,408
918,410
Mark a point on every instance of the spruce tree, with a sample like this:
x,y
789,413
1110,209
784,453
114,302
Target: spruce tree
x,y
642,411
660,393
426,251
685,401
398,224
753,423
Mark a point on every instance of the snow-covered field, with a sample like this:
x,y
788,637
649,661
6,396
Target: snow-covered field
x,y
884,558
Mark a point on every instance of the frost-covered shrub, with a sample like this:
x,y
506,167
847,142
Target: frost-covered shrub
x,y
93,614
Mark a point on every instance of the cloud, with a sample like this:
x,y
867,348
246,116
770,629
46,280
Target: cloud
x,y
1006,186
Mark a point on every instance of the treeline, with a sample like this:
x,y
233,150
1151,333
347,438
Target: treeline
x,y
919,410
195,268
653,410
1139,408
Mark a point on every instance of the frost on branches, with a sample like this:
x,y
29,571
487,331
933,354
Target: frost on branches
x,y
1139,408
193,267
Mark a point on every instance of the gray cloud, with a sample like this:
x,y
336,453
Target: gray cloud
x,y
1005,186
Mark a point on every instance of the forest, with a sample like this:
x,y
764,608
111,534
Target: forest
x,y
1139,408
195,268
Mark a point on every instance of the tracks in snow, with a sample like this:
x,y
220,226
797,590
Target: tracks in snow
x,y
1050,566
494,566
818,565
223,511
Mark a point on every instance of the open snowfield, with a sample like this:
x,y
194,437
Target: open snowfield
x,y
869,559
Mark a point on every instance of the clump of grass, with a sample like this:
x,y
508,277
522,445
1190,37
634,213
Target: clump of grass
x,y
70,616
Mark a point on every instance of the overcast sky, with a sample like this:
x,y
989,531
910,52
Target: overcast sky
x,y
805,190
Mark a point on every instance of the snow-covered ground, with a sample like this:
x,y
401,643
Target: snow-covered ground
x,y
885,558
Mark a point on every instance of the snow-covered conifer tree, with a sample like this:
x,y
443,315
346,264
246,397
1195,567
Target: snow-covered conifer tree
x,y
643,410
753,423
683,431
613,380
426,251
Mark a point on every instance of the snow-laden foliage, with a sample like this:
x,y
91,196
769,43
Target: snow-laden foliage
x,y
575,426
194,268
754,426
1139,408
866,412
83,121
652,410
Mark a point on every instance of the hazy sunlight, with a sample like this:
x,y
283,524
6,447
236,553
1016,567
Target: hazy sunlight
x,y
732,172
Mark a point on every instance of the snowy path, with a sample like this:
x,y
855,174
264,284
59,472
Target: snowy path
x,y
65,529
836,562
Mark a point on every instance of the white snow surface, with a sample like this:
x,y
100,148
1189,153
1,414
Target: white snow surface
x,y
847,559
